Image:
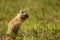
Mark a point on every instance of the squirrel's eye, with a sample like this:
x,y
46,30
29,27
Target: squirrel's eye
x,y
22,12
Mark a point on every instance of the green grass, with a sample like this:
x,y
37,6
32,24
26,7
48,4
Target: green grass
x,y
43,22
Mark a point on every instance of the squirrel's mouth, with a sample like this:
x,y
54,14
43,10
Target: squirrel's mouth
x,y
25,16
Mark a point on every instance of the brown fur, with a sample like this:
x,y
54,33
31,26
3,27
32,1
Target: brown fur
x,y
15,23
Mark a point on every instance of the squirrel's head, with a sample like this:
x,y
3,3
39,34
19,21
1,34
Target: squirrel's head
x,y
23,14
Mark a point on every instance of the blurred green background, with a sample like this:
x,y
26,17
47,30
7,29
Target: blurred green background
x,y
43,22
